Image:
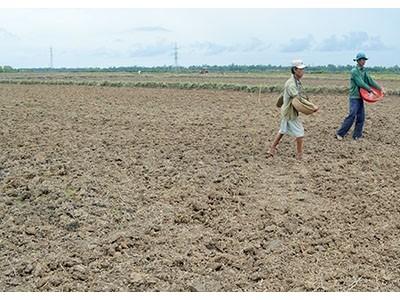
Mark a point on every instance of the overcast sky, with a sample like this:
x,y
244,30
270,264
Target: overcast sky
x,y
146,37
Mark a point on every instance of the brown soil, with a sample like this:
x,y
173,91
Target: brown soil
x,y
112,189
266,79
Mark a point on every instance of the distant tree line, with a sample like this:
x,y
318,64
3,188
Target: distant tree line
x,y
232,68
7,69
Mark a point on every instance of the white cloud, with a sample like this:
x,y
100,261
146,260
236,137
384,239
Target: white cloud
x,y
149,29
158,48
5,35
352,41
211,48
298,44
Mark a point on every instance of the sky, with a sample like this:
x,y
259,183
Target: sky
x,y
96,37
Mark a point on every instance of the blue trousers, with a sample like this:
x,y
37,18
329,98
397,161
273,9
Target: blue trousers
x,y
356,113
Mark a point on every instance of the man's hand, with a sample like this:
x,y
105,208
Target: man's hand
x,y
373,92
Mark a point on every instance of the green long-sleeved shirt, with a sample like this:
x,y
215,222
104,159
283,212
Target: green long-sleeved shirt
x,y
361,79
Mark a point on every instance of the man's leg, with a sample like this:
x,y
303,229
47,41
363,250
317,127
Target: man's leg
x,y
360,119
275,144
348,121
299,147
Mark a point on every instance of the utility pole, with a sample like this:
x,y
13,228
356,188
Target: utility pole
x,y
51,57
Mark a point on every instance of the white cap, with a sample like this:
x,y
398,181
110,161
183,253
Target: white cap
x,y
298,63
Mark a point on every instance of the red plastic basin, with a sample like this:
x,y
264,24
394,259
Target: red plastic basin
x,y
371,97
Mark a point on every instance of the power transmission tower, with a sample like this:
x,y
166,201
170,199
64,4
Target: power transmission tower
x,y
176,57
51,57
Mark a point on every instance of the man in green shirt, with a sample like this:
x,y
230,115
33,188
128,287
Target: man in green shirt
x,y
359,79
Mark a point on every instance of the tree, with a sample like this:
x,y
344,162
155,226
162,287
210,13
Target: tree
x,y
7,69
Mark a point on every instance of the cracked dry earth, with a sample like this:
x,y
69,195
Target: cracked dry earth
x,y
117,189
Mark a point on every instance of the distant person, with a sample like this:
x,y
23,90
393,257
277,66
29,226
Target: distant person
x,y
290,122
359,79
